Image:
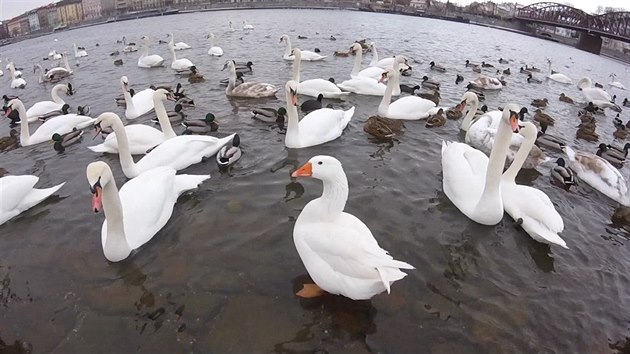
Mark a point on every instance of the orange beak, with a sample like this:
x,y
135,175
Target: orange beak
x,y
514,122
97,200
97,131
462,106
304,171
294,99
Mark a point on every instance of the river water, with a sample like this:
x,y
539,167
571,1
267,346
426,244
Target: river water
x,y
221,276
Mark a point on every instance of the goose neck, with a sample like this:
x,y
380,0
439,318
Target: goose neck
x,y
334,196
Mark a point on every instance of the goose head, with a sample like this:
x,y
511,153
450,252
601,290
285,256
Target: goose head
x,y
321,167
98,175
291,89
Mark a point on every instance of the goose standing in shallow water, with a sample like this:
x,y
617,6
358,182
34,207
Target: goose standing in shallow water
x,y
214,51
141,208
18,195
338,250
146,60
246,89
44,107
306,55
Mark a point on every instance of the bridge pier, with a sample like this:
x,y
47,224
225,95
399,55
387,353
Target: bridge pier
x,y
590,43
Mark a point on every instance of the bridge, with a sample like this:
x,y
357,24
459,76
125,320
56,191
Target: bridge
x,y
614,25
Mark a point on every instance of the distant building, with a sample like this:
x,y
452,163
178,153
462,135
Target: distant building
x,y
13,26
92,9
420,5
53,17
70,11
4,31
122,6
33,21
42,14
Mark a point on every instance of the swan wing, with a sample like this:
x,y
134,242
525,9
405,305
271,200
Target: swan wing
x,y
19,195
596,94
373,72
41,108
61,125
311,56
410,107
314,87
601,175
141,138
363,86
463,173
323,125
254,89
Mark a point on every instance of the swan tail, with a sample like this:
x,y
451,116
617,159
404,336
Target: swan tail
x,y
570,152
99,148
347,115
542,233
185,183
38,195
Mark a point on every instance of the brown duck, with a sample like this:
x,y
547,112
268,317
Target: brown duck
x,y
436,120
540,103
541,116
565,98
383,128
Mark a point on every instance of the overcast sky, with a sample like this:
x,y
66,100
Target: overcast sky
x,y
12,8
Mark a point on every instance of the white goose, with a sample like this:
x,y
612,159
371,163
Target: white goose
x,y
181,64
135,214
214,51
614,83
178,45
141,103
557,77
408,107
306,54
528,206
60,124
246,89
337,249
178,152
146,60
313,87
79,53
141,137
472,181
599,174
16,81
18,195
317,127
43,107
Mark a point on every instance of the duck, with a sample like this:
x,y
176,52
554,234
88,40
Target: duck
x,y
118,62
409,89
247,89
178,152
18,195
201,126
406,108
480,95
65,140
185,101
323,234
458,79
311,105
437,67
599,174
317,127
619,152
487,83
239,80
341,54
530,207
10,142
229,154
565,98
507,72
306,55
178,45
44,107
503,61
383,128
471,180
142,207
140,104
194,76
621,133
586,133
548,141
612,158
626,102
302,37
214,50
65,109
456,112
146,60
332,38
243,67
270,115
562,174
533,80
540,102
314,87
79,53
174,116
180,65
141,138
617,122
471,64
59,124
436,120
557,77
541,116
591,108
586,117
429,84
621,216
486,65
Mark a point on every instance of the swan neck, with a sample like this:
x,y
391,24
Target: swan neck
x,y
171,47
55,94
115,247
519,159
374,56
126,161
334,196
492,189
357,64
297,61
231,81
292,137
162,116
65,62
287,48
469,116
25,135
383,108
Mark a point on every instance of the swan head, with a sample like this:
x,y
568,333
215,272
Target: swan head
x,y
469,98
164,95
125,83
105,120
356,48
387,75
528,130
322,167
284,38
511,116
230,65
291,88
584,82
13,105
297,53
98,175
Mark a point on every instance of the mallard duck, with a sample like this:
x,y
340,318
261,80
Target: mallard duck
x,y
383,128
83,110
239,80
174,116
591,108
486,65
10,142
201,126
533,80
311,105
63,141
562,174
470,64
341,54
617,122
477,69
503,61
507,72
532,68
602,152
541,116
118,62
120,100
621,153
621,216
540,103
302,37
458,79
437,67
431,96
626,103
480,95
408,88
548,141
270,115
229,153
194,76
332,38
598,85
429,84
585,117
455,112
246,67
436,120
185,101
621,133
565,98
587,134
64,110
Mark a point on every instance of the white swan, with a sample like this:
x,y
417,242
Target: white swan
x,y
246,89
246,27
181,64
385,63
337,249
599,174
141,103
472,181
178,152
487,83
230,26
139,210
528,206
214,51
79,53
469,98
178,45
59,71
141,137
372,72
306,54
43,107
317,127
614,83
561,78
592,94
11,65
19,195
408,107
60,124
16,81
313,87
146,60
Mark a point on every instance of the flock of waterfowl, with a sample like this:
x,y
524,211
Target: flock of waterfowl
x,y
338,250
